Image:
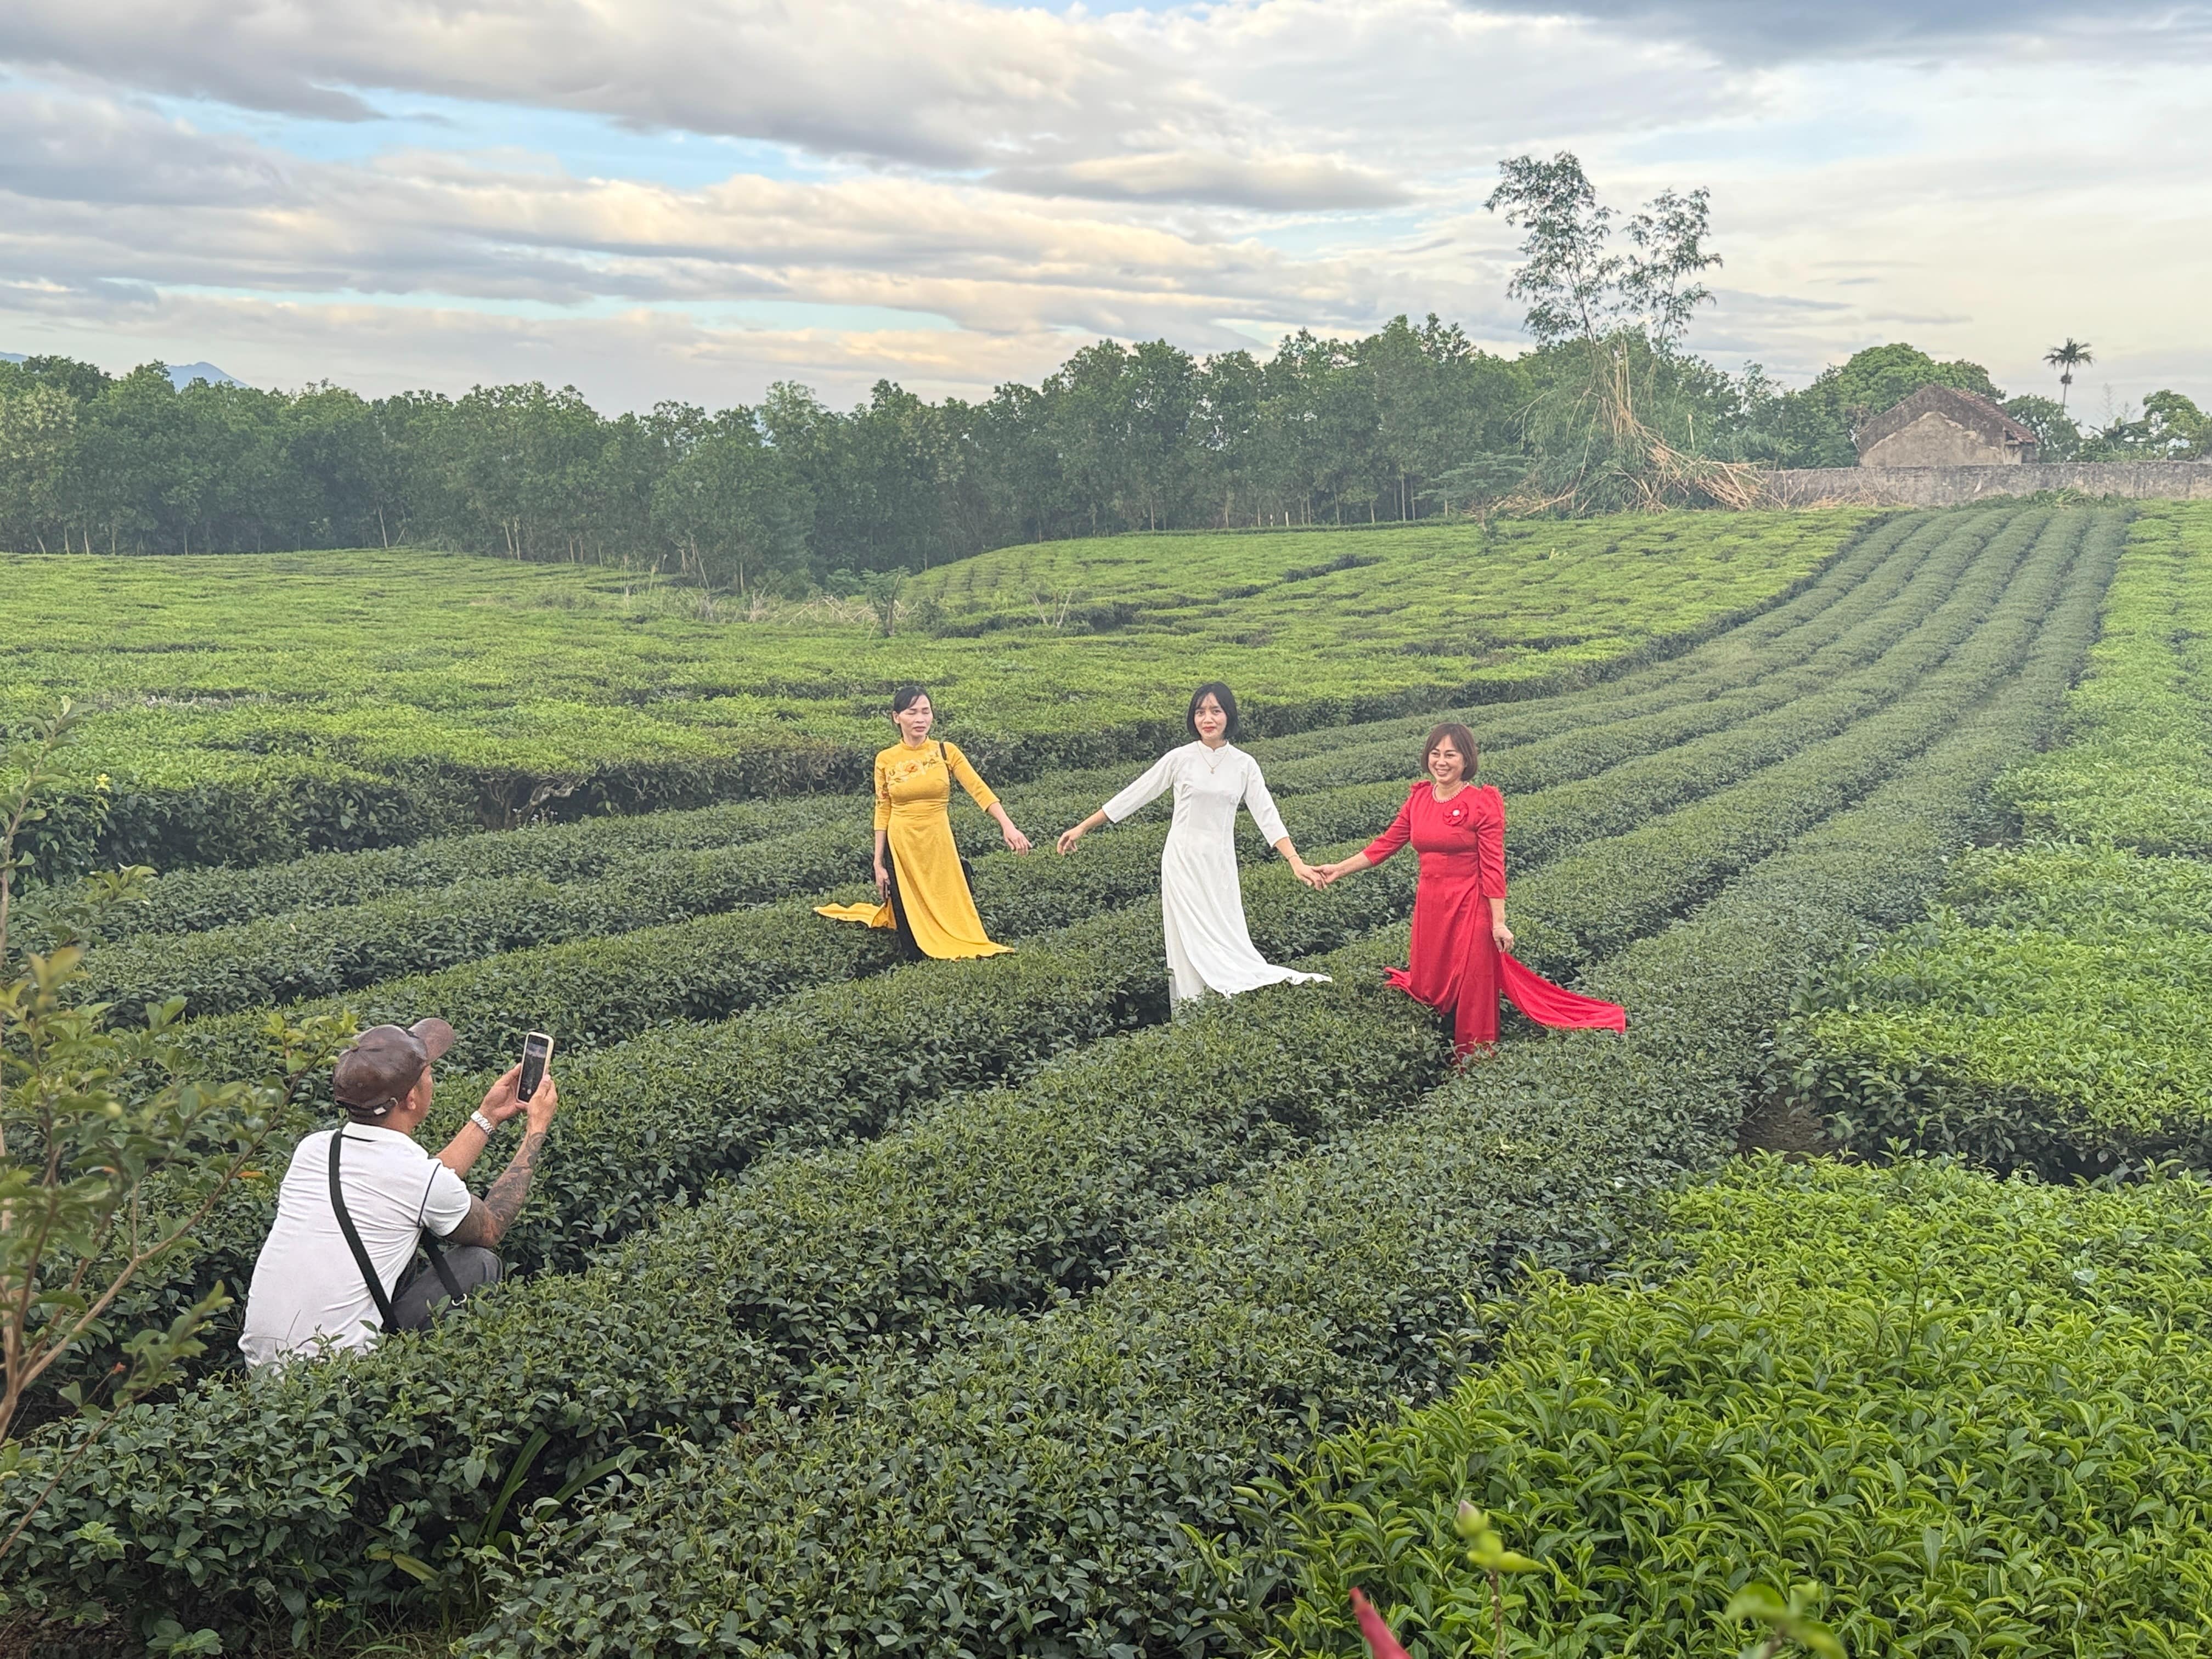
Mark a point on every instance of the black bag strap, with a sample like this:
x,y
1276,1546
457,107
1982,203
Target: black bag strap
x,y
438,1266
353,1237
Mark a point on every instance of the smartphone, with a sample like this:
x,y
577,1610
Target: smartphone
x,y
536,1049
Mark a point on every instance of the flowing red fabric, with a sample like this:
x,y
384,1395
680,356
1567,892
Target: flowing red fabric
x,y
1455,965
1380,1642
1554,1004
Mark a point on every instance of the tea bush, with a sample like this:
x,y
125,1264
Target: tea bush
x,y
2048,1013
666,1335
1059,1310
1881,554
1211,1349
2137,768
194,901
1970,1407
658,1117
1827,626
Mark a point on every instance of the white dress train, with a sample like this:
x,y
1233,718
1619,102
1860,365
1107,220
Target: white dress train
x,y
1202,905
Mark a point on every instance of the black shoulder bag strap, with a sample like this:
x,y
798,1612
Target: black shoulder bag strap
x,y
361,1253
353,1235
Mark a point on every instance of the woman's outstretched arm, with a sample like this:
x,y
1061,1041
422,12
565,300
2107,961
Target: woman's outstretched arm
x,y
1305,872
979,791
1399,832
1069,837
1262,805
1143,793
1014,837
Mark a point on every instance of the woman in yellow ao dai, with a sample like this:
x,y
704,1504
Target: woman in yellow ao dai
x,y
923,889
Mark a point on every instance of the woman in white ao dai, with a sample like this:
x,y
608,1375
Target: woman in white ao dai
x,y
1209,947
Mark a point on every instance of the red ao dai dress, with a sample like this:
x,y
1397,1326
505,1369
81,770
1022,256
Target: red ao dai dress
x,y
1456,966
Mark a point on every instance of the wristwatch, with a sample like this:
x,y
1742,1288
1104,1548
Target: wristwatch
x,y
484,1123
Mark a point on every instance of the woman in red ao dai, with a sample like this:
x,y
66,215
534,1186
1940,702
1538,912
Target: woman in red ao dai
x,y
1461,954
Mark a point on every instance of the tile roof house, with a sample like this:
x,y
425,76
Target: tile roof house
x,y
1939,426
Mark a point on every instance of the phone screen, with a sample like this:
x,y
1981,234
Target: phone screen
x,y
536,1049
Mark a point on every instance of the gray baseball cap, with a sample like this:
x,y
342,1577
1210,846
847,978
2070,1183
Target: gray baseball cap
x,y
375,1074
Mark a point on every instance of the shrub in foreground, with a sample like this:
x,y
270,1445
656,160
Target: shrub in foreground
x,y
1972,1407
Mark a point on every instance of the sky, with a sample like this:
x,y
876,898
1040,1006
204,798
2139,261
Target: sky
x,y
693,200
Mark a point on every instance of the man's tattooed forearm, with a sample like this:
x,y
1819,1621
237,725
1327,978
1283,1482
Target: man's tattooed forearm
x,y
505,1199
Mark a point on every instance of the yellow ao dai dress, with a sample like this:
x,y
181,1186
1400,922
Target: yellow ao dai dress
x,y
913,795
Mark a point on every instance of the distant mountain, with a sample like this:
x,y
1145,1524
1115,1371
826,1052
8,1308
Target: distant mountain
x,y
184,374
180,374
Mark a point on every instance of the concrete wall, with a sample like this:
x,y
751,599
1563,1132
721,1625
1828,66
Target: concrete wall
x,y
1949,486
1935,440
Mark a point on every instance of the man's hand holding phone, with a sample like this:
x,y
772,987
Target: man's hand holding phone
x,y
500,1101
541,1106
526,1086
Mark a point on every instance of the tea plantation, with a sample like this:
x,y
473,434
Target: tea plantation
x,y
255,708
2049,1014
977,1309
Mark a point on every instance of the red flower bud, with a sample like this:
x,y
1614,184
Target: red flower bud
x,y
1380,1642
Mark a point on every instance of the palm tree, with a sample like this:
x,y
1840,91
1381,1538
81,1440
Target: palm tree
x,y
2074,355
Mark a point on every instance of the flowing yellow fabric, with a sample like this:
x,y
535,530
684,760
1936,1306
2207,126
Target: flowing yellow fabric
x,y
914,794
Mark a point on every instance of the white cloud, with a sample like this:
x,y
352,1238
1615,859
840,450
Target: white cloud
x,y
1785,31
952,83
153,204
1212,171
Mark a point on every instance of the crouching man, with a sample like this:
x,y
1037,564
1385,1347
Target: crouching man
x,y
357,1199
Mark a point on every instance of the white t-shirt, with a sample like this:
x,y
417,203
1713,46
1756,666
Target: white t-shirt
x,y
307,1285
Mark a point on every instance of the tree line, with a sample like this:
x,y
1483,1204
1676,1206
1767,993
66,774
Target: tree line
x,y
1606,412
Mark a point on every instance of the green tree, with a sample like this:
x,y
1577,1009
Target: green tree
x,y
1568,276
1088,413
737,511
2066,357
1017,470
336,465
2170,429
38,433
82,381
1226,430
520,459
1576,286
2056,437
1613,423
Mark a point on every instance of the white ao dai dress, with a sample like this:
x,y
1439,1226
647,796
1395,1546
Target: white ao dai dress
x,y
1209,948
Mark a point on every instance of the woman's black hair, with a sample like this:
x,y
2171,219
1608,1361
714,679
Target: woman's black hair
x,y
1222,695
906,696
